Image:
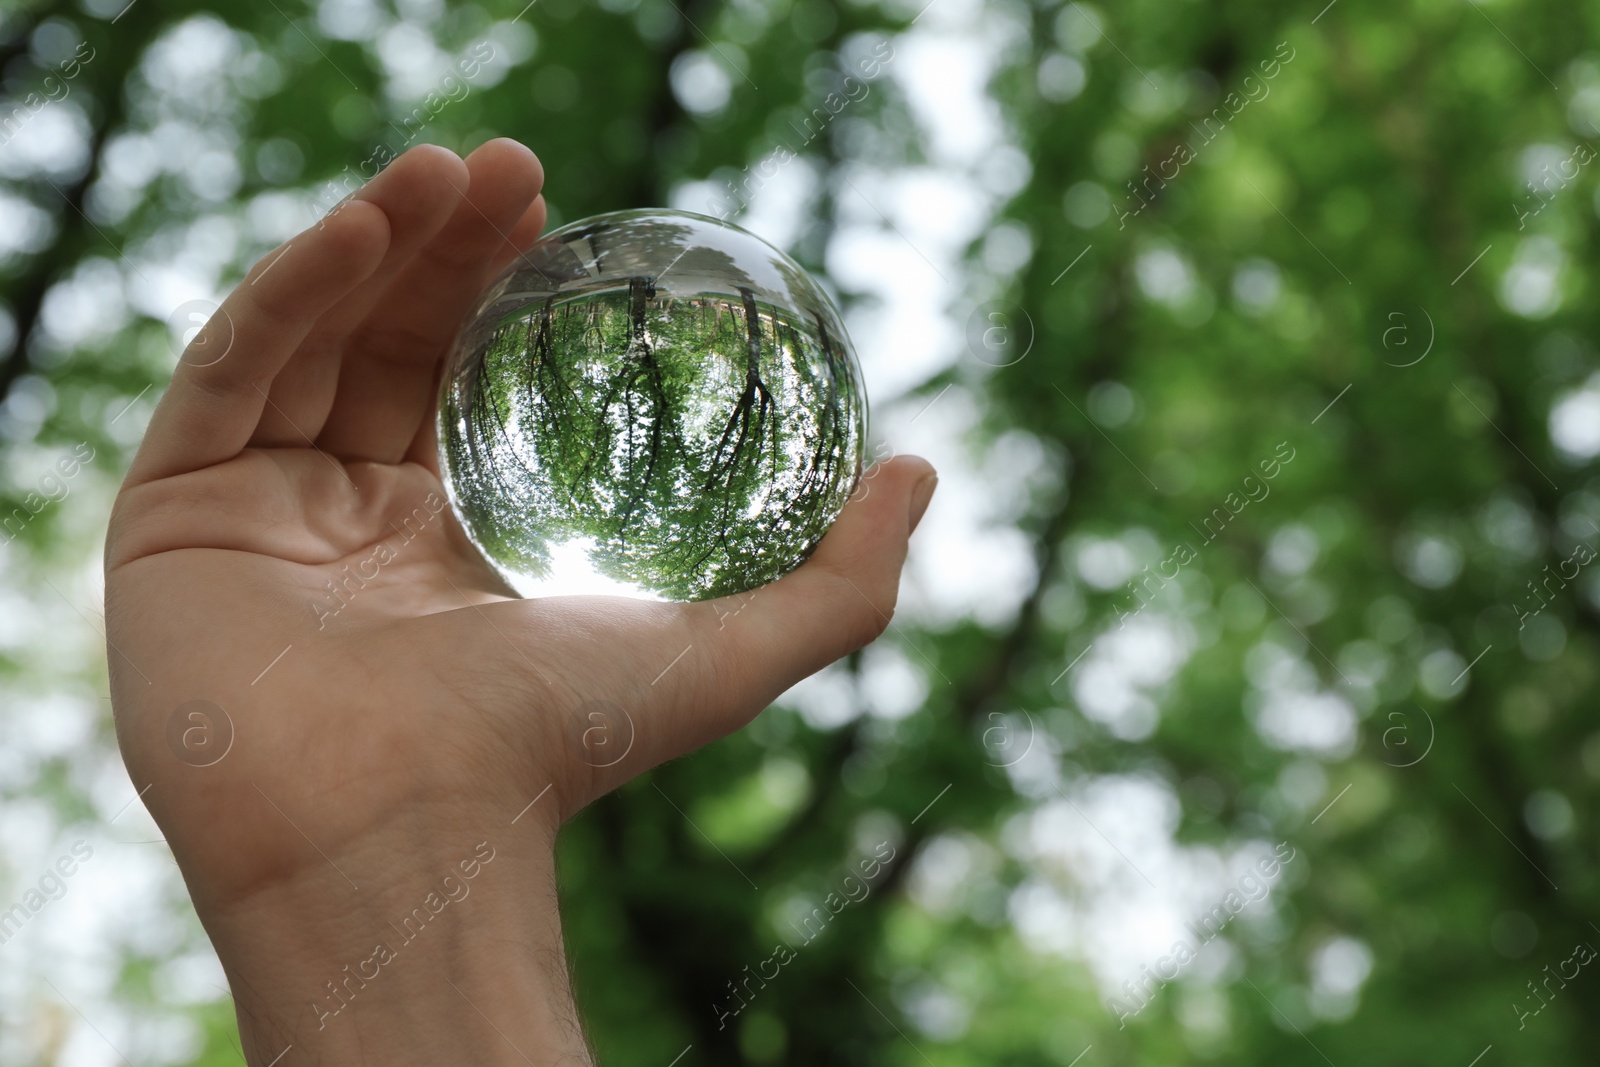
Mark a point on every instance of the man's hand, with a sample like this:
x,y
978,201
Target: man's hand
x,y
358,743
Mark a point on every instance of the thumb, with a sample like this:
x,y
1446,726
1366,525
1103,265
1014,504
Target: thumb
x,y
758,644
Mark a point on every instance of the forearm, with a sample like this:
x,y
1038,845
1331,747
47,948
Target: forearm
x,y
423,971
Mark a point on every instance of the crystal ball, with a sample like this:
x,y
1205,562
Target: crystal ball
x,y
651,403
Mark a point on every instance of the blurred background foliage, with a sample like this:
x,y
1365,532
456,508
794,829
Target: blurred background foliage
x,y
1108,265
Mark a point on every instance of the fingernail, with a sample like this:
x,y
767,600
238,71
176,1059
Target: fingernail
x,y
921,494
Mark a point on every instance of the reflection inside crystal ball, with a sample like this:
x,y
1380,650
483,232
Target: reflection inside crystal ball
x,y
653,404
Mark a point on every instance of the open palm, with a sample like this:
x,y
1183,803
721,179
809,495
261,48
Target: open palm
x,y
321,684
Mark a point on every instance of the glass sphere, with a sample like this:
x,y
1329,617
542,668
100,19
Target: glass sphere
x,y
652,403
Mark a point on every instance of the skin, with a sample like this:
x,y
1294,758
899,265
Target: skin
x,y
353,767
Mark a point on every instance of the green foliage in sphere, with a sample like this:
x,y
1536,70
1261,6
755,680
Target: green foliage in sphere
x,y
655,403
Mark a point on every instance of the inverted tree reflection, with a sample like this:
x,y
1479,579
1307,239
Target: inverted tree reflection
x,y
695,445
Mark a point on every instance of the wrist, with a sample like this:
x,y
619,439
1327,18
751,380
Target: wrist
x,y
456,960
